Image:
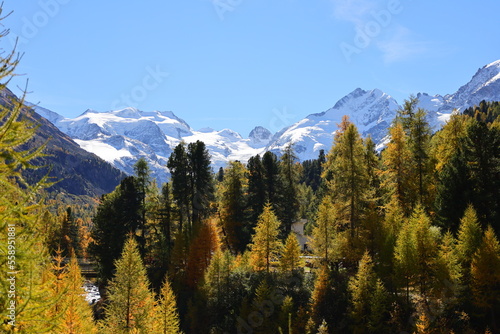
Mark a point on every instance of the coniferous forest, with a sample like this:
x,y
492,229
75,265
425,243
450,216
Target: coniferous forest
x,y
405,240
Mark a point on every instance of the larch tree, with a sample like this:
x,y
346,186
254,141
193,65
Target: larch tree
x,y
405,257
416,127
319,298
166,315
485,272
204,245
396,160
78,317
469,238
426,242
131,303
346,175
368,298
324,233
23,291
265,246
290,259
323,328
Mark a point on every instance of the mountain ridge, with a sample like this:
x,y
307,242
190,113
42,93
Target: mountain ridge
x,y
122,136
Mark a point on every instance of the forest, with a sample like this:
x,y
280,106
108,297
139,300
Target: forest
x,y
399,241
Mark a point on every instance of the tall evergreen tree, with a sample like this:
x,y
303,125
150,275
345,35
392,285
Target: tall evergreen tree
x,y
143,184
290,175
232,206
272,182
179,167
201,181
118,214
256,188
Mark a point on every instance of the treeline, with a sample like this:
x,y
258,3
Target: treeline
x,y
405,240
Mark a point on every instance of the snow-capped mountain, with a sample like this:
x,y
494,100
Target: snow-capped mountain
x,y
121,137
373,111
260,137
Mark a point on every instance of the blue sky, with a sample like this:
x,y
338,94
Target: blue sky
x,y
241,63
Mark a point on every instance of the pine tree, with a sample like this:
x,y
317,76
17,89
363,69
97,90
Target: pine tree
x,y
118,214
166,316
131,303
201,182
256,188
143,184
232,206
265,244
290,259
178,165
290,175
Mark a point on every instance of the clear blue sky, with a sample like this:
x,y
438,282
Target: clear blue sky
x,y
240,63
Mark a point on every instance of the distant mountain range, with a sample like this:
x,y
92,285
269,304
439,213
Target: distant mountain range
x,y
121,137
77,171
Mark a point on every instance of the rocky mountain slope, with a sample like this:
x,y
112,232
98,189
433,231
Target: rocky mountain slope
x,y
77,171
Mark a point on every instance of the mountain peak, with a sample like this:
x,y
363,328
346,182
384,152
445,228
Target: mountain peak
x,y
484,85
